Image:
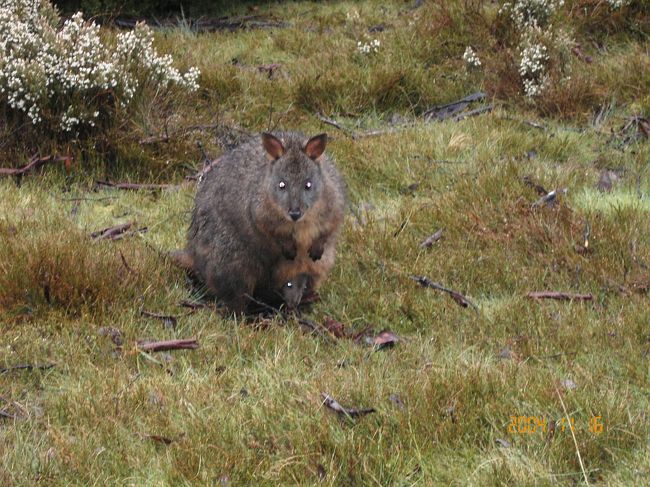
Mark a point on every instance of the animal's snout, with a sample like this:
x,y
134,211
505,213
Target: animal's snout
x,y
295,214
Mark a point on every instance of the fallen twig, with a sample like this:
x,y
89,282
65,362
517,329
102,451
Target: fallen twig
x,y
335,124
26,367
114,233
442,112
333,404
559,296
193,305
431,239
34,163
460,299
163,346
206,169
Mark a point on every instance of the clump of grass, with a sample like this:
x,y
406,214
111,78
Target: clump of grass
x,y
49,262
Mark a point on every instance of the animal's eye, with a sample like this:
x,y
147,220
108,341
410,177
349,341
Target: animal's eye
x,y
308,185
290,284
282,185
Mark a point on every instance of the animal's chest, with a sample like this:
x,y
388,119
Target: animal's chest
x,y
304,235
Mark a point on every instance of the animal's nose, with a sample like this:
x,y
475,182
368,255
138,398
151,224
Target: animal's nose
x,y
295,214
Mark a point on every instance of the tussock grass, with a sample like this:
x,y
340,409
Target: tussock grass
x,y
246,407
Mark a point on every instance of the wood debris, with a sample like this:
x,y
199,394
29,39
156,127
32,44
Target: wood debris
x,y
333,404
162,346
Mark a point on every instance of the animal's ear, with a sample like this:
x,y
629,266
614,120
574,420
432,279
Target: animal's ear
x,y
273,146
315,146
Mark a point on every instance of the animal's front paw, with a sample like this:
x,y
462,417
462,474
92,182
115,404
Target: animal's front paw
x,y
316,251
289,252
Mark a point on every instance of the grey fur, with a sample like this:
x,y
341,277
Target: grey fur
x,y
241,224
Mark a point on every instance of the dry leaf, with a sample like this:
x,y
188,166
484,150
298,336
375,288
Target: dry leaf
x,y
334,327
386,338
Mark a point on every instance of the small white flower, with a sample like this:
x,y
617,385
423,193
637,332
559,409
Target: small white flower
x,y
368,47
471,58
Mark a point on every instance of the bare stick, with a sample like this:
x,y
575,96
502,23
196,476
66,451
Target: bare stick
x,y
185,344
460,299
34,163
111,232
334,405
335,124
206,169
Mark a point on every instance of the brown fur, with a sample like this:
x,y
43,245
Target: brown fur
x,y
291,279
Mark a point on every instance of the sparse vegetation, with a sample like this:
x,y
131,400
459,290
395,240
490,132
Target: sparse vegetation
x,y
246,407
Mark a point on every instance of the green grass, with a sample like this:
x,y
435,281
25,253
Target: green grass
x,y
246,408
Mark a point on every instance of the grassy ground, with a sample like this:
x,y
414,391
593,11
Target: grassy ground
x,y
246,407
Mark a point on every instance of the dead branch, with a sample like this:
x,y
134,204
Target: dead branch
x,y
111,233
431,239
163,346
442,112
33,164
206,169
460,299
335,124
334,405
560,296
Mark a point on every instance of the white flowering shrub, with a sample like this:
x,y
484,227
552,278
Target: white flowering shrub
x,y
471,58
67,76
535,14
536,31
368,47
533,69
